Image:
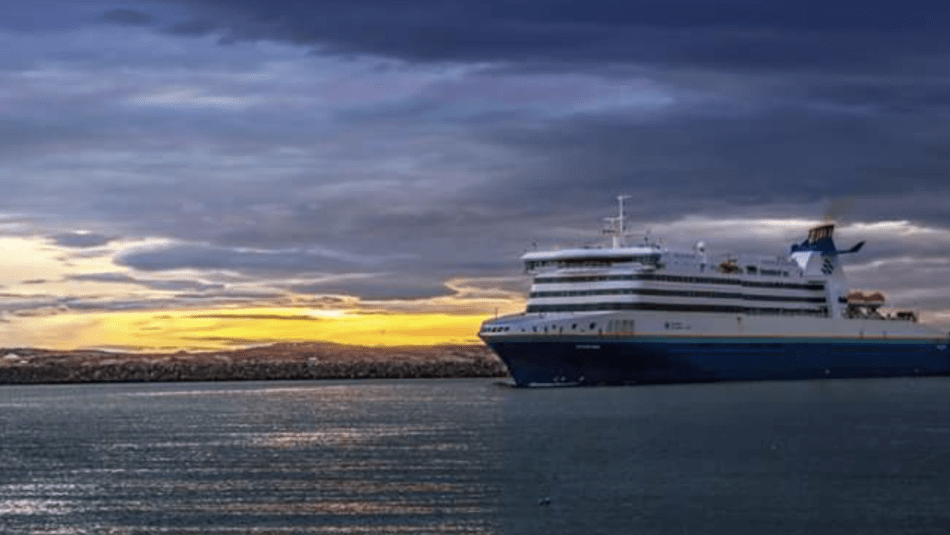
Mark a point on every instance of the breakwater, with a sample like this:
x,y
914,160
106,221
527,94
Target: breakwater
x,y
274,362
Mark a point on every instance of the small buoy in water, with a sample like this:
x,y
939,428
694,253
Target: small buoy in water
x,y
544,501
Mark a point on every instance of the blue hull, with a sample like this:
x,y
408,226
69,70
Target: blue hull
x,y
596,361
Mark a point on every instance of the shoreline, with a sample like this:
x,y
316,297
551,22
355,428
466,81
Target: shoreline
x,y
287,361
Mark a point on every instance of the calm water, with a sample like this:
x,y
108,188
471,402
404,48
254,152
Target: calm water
x,y
470,456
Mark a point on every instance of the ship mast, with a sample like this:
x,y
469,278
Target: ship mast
x,y
617,229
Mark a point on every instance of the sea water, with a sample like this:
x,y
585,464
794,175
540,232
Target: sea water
x,y
476,456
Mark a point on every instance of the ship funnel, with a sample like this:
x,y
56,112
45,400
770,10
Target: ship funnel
x,y
819,240
823,232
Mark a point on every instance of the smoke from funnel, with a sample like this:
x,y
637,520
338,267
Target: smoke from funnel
x,y
837,209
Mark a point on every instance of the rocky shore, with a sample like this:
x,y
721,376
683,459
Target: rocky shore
x,y
279,361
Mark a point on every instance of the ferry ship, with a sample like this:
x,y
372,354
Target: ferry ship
x,y
624,314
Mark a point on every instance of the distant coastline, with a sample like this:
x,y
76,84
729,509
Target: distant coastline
x,y
274,362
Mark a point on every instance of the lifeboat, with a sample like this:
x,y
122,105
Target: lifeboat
x,y
872,300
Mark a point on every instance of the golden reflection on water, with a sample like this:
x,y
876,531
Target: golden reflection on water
x,y
339,508
417,529
330,458
346,487
337,436
34,507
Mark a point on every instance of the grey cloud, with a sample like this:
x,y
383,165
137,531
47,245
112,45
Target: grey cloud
x,y
127,16
211,257
194,27
379,287
735,35
104,277
791,155
51,16
263,296
154,284
772,110
81,239
293,317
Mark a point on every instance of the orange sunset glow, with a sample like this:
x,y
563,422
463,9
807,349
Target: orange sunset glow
x,y
223,329
54,303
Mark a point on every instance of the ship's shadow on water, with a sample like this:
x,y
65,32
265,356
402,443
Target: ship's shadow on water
x,y
477,456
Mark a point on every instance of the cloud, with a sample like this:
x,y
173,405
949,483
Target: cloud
x,y
698,163
154,284
736,35
386,286
194,27
81,239
239,316
373,150
127,16
242,260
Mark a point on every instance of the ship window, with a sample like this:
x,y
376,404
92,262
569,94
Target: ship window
x,y
574,326
593,325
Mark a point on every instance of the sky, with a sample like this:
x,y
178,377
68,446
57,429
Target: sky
x,y
219,173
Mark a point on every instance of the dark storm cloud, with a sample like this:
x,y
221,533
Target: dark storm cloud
x,y
699,164
127,16
739,34
281,165
821,100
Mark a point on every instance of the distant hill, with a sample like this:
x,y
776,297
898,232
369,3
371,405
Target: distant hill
x,y
278,361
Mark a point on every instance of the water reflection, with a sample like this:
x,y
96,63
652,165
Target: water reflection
x,y
33,507
360,457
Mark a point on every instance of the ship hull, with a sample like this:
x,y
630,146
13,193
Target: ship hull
x,y
593,361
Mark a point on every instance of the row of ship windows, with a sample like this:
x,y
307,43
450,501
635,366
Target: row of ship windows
x,y
627,325
679,293
674,278
611,325
669,307
592,261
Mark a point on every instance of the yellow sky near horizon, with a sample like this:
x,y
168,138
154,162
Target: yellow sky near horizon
x,y
216,329
61,298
